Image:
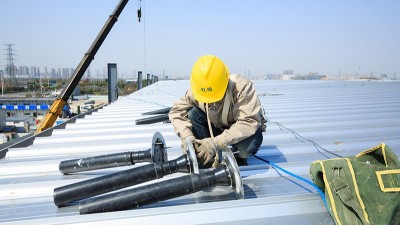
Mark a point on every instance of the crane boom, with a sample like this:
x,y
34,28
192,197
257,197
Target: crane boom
x,y
56,108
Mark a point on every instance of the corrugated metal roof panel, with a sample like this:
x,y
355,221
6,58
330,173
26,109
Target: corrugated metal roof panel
x,y
345,117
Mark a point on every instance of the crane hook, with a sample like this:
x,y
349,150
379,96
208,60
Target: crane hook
x,y
139,13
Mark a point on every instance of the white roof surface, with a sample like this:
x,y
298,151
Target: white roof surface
x,y
345,117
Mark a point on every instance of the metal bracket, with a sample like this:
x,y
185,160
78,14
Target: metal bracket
x,y
158,148
194,168
233,169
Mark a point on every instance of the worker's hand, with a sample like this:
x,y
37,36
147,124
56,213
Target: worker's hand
x,y
206,150
184,146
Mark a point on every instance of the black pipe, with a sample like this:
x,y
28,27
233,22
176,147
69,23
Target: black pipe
x,y
104,161
156,192
157,154
153,119
158,111
111,182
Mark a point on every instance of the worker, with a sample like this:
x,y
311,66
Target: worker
x,y
219,109
66,112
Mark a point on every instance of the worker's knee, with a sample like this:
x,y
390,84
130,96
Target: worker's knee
x,y
249,146
198,119
195,115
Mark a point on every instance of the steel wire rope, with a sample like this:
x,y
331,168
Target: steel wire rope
x,y
304,140
301,138
140,15
144,38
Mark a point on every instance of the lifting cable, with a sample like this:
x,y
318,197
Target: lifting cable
x,y
144,32
139,15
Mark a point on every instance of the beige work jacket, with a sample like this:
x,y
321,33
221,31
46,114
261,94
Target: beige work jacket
x,y
243,119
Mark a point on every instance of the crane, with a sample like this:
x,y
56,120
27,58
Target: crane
x,y
57,106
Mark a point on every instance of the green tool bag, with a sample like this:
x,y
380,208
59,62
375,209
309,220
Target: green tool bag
x,y
363,189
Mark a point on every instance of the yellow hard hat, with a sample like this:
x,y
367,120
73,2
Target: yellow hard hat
x,y
209,79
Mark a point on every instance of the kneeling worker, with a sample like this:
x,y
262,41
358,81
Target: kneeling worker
x,y
219,109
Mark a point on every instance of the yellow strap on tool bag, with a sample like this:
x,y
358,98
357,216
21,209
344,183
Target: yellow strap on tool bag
x,y
389,180
363,189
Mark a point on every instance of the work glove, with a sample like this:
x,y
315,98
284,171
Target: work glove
x,y
206,150
184,143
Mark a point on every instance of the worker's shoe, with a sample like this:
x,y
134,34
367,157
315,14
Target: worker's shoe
x,y
241,161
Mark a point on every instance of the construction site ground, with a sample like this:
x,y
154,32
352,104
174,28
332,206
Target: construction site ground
x,y
99,100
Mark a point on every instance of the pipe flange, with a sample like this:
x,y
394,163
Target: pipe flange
x,y
158,148
191,153
233,169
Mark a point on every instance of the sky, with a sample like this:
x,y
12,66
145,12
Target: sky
x,y
252,37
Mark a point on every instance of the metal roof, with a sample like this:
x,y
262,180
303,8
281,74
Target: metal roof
x,y
345,117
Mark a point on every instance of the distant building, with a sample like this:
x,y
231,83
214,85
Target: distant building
x,y
59,74
34,72
45,71
287,77
71,71
288,72
23,70
65,73
310,76
273,77
53,73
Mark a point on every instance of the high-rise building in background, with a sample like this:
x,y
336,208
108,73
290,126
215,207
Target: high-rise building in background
x,y
53,73
288,72
45,72
59,73
23,70
33,72
65,73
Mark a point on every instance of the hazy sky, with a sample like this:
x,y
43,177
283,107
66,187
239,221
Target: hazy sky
x,y
257,36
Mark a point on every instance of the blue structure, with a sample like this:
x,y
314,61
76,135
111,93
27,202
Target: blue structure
x,y
35,107
25,107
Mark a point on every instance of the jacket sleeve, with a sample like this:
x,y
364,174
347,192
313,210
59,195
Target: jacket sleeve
x,y
178,115
246,111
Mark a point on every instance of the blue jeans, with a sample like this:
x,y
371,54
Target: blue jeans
x,y
245,148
